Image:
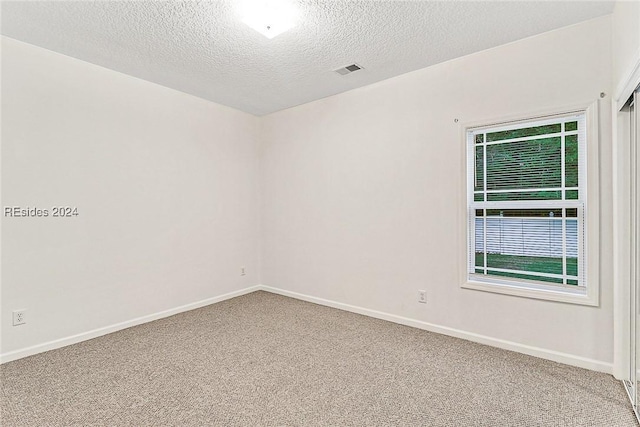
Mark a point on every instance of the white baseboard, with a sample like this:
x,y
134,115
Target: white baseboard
x,y
62,342
556,356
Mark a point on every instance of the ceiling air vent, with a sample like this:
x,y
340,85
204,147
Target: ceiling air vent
x,y
348,69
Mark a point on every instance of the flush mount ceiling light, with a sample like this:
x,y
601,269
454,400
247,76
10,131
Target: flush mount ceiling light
x,y
269,18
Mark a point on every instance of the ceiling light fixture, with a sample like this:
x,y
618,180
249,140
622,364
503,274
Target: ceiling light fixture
x,y
269,18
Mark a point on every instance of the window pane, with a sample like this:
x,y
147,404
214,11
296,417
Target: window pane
x,y
529,241
571,160
525,263
480,138
478,197
525,195
572,267
572,246
479,250
524,164
571,126
572,195
479,183
524,132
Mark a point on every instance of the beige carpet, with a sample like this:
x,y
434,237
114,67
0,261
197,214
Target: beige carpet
x,y
267,360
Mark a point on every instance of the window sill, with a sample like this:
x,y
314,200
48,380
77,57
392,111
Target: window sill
x,y
558,295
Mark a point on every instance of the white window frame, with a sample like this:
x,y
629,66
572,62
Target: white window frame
x,y
587,295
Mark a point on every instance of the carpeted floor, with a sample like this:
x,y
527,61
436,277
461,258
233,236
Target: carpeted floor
x,y
267,360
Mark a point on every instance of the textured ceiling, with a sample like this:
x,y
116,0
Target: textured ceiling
x,y
203,48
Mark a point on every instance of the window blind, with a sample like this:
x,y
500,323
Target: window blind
x,y
526,201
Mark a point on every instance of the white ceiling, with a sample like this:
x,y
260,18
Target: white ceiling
x,y
203,48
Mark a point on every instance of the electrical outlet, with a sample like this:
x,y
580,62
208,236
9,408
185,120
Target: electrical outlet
x,y
19,317
422,297
242,272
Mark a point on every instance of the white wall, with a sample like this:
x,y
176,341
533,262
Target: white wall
x,y
165,185
626,40
361,190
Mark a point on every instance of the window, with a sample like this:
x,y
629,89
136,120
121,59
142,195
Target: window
x,y
527,208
